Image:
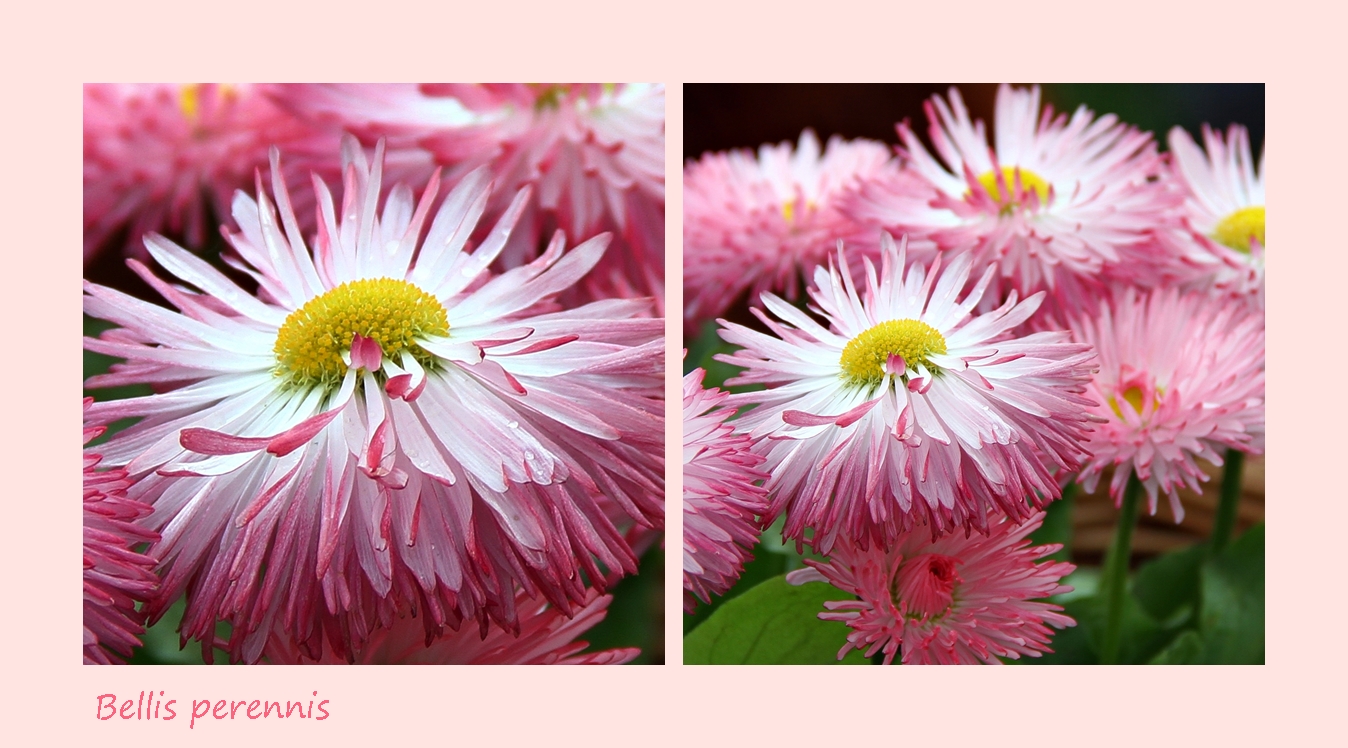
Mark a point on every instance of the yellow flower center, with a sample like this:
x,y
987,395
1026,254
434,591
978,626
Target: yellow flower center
x,y
789,211
1134,397
1236,230
864,357
189,100
393,313
1028,179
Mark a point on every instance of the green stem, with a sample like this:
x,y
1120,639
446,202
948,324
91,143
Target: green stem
x,y
1115,582
1225,522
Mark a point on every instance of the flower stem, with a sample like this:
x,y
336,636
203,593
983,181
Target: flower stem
x,y
1115,582
1225,522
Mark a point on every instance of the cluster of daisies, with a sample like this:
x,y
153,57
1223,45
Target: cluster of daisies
x,y
986,322
412,411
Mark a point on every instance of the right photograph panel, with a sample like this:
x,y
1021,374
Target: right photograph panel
x,y
974,374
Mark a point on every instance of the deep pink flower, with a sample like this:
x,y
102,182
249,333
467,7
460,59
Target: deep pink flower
x,y
721,503
1181,377
1221,231
760,224
953,601
386,422
546,637
1054,203
168,158
115,576
906,409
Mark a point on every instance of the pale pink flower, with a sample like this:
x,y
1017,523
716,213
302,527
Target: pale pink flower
x,y
1221,232
954,601
721,503
593,153
168,157
1181,377
1054,203
547,636
385,422
760,224
115,576
905,408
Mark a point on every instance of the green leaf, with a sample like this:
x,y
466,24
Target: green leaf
x,y
1232,619
762,567
775,623
1167,588
1184,650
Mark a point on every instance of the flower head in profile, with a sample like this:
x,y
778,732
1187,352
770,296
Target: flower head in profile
x,y
1181,377
1053,203
593,154
116,577
168,158
385,423
1222,234
760,224
953,601
546,636
721,502
906,408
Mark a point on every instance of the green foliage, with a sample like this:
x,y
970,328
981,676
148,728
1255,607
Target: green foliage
x,y
775,623
1186,607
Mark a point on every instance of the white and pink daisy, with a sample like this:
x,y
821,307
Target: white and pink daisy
x,y
116,577
906,408
385,422
168,157
1053,203
1181,377
760,224
722,502
593,153
1222,218
953,601
547,636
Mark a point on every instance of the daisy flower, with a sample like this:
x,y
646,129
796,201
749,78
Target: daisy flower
x,y
1222,216
547,636
1181,377
385,420
759,224
1053,203
115,577
168,158
953,601
594,153
906,408
721,503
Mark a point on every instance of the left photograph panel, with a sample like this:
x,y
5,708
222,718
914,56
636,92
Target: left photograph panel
x,y
373,373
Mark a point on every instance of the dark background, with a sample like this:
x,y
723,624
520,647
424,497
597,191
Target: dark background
x,y
720,116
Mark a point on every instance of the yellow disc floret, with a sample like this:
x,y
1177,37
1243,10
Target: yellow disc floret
x,y
1029,180
1236,230
863,358
394,313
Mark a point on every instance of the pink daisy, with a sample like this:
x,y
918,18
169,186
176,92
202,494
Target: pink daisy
x,y
385,421
953,601
1181,377
759,224
547,636
115,577
721,503
906,408
594,153
1222,233
168,158
1054,203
